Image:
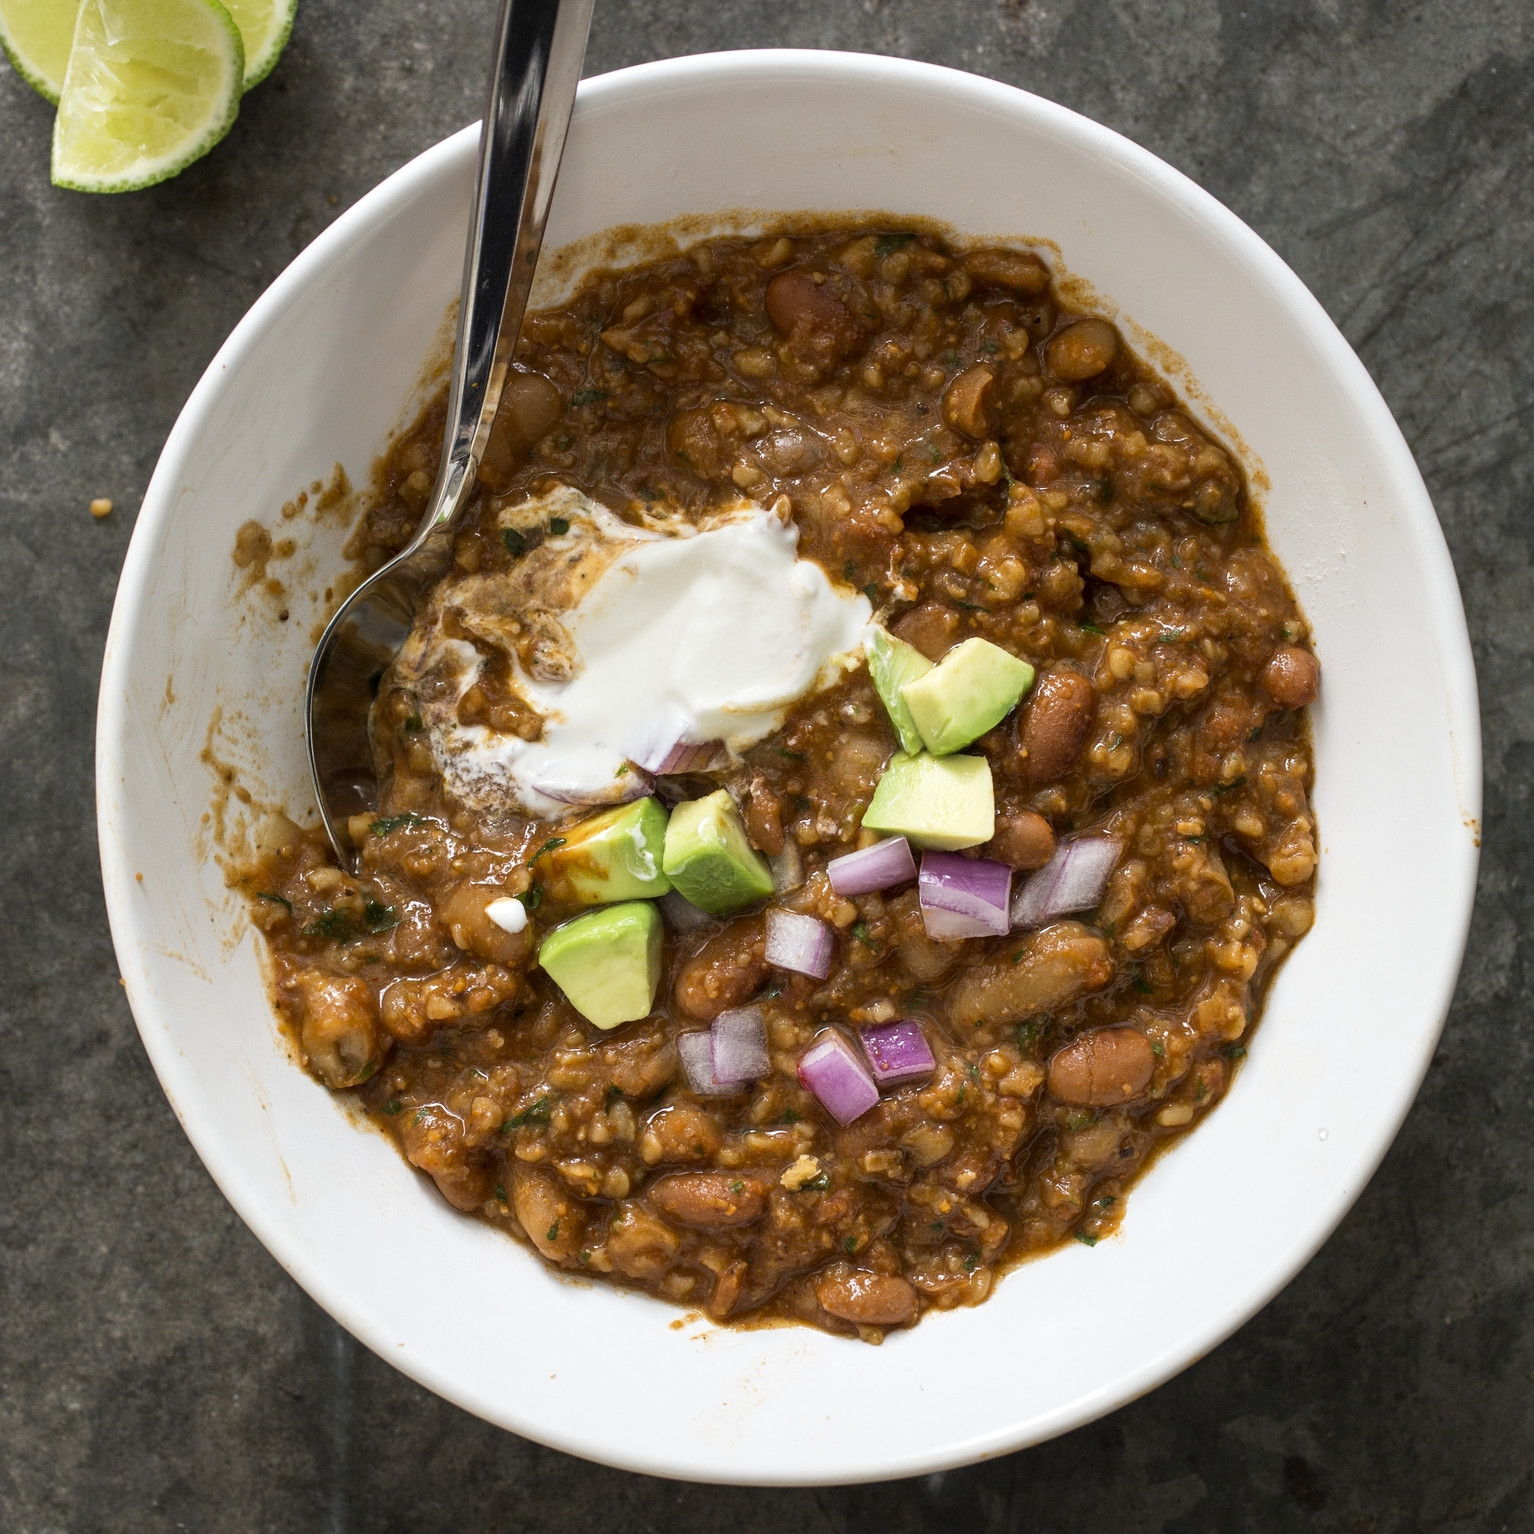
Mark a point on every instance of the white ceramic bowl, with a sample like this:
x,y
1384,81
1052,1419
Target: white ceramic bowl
x,y
323,367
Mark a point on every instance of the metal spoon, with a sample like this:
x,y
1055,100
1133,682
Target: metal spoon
x,y
539,46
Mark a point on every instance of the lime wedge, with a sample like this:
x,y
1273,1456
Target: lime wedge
x,y
36,35
151,86
265,26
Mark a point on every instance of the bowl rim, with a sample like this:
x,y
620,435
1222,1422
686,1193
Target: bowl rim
x,y
1418,522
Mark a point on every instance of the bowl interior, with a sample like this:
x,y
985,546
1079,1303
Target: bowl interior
x,y
201,675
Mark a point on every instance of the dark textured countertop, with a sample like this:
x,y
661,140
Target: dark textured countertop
x,y
158,1371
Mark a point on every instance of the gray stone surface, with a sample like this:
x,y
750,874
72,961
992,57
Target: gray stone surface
x,y
159,1372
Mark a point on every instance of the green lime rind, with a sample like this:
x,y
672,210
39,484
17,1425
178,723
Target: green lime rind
x,y
82,124
259,64
35,36
32,78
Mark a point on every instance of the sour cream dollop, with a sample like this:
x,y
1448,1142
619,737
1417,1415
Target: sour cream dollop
x,y
669,633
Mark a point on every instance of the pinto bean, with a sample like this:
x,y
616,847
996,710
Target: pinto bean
x,y
764,817
339,1032
866,1299
1292,678
1100,1069
640,1245
931,628
1024,839
1047,971
1055,725
1082,350
819,326
708,1200
472,930
433,1140
1021,271
727,970
679,1132
967,401
554,1222
530,405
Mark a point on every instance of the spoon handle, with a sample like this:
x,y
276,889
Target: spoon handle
x,y
539,47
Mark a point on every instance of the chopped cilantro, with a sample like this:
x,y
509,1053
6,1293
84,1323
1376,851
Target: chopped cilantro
x,y
1107,1201
388,823
816,1184
871,591
899,461
1254,733
533,898
793,756
558,525
737,1186
860,932
849,571
515,543
393,1107
969,607
500,1192
1090,628
563,443
971,1262
287,905
1171,636
1158,1049
933,453
789,1117
552,1234
538,1113
850,1244
1235,1051
1076,1121
612,1094
413,725
588,396
888,244
420,1117
1138,982
549,846
1085,1237
1227,788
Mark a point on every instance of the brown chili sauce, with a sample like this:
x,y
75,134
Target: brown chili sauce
x,y
980,460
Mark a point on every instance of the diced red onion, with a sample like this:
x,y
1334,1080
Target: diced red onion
x,y
872,868
898,1052
672,755
831,1069
697,1054
964,897
576,788
681,913
739,1044
1072,880
800,943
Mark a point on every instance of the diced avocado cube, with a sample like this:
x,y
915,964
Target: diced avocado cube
x,y
943,802
891,664
613,856
974,687
607,962
709,859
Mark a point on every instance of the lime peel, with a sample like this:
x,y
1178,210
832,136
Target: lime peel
x,y
151,86
35,36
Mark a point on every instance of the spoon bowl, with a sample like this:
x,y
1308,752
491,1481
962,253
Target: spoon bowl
x,y
536,66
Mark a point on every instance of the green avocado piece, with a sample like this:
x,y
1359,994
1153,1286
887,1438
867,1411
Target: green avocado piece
x,y
607,962
613,856
942,802
709,859
891,664
974,687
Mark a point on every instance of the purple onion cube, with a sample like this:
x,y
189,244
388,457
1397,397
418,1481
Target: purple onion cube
x,y
739,1047
799,943
697,1055
831,1069
964,897
872,868
898,1052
